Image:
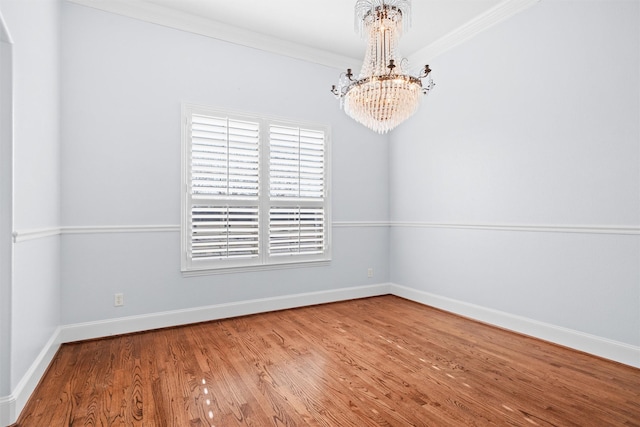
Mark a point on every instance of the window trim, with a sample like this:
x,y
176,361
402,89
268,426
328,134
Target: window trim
x,y
264,261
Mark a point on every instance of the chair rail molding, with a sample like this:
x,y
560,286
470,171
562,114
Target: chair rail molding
x,y
542,228
39,233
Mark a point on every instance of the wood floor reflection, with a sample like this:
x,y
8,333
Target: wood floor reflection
x,y
380,361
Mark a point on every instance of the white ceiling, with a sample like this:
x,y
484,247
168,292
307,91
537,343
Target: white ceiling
x,y
320,31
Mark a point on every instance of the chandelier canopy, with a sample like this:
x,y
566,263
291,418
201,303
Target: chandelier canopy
x,y
384,94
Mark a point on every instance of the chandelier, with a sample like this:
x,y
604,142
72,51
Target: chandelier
x,y
384,94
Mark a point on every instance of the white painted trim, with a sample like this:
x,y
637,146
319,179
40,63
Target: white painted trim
x,y
36,233
125,325
12,405
602,347
156,14
583,229
493,16
8,413
24,235
7,88
366,224
592,344
120,229
5,35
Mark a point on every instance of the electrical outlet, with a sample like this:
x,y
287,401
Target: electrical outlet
x,y
370,272
118,300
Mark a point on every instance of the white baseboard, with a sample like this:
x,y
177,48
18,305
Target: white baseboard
x,y
125,325
7,410
11,406
592,344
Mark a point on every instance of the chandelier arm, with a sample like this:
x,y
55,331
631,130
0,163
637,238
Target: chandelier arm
x,y
391,66
425,71
349,74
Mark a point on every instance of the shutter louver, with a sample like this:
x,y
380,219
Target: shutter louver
x,y
224,157
220,232
296,231
296,163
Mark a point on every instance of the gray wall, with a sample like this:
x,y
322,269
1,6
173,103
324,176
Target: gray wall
x,y
6,204
534,122
121,165
35,287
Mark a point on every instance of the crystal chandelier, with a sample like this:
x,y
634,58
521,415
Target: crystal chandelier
x,y
384,94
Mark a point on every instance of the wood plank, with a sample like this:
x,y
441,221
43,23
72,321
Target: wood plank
x,y
381,361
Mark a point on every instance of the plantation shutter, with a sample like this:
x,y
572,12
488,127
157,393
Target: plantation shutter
x,y
224,188
255,192
296,230
297,191
224,157
296,167
220,232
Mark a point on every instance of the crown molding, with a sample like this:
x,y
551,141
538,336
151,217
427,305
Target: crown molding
x,y
195,24
491,17
167,17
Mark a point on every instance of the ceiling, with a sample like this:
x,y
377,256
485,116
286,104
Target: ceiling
x,y
321,32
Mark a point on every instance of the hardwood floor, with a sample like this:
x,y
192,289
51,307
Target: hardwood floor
x,y
380,361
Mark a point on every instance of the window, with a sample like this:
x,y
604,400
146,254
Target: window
x,y
255,191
